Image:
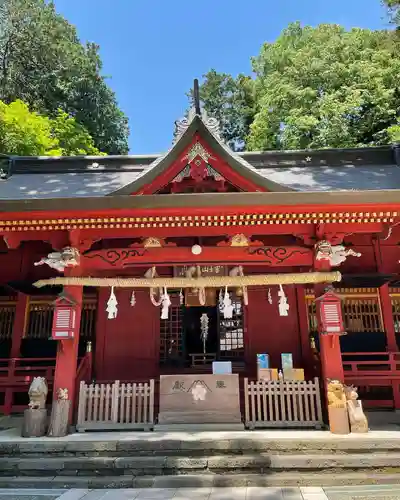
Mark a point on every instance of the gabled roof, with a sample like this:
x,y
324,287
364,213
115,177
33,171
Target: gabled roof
x,y
208,129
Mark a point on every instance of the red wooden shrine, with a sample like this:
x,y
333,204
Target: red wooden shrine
x,y
273,213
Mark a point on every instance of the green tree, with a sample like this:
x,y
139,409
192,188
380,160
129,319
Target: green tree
x,y
325,87
394,10
231,101
24,133
27,133
43,63
73,138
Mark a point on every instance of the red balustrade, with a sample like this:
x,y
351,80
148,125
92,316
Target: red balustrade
x,y
370,371
16,375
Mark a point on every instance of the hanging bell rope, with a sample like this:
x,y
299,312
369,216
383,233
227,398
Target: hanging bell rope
x,y
202,282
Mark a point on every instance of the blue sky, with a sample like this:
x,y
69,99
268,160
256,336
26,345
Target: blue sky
x,y
153,49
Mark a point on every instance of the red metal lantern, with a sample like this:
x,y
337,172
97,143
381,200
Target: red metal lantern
x,y
64,319
330,316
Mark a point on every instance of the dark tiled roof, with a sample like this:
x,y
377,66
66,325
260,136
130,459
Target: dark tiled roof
x,y
325,170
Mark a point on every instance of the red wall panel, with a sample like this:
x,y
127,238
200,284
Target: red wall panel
x,y
267,332
129,343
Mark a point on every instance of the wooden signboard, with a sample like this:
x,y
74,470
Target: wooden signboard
x,y
211,270
192,298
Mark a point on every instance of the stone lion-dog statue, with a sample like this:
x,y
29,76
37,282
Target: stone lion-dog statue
x,y
357,418
38,393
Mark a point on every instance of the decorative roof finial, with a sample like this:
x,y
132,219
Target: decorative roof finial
x,y
196,97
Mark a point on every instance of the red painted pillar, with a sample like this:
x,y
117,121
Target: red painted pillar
x,y
331,355
304,331
67,351
19,325
15,352
387,317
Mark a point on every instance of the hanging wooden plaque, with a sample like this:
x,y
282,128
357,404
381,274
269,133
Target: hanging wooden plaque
x,y
192,298
206,270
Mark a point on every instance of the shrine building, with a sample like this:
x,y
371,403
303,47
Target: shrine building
x,y
164,264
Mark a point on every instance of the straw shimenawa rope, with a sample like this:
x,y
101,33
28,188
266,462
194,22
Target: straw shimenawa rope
x,y
203,281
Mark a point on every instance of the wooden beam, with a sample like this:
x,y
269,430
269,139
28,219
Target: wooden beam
x,y
133,256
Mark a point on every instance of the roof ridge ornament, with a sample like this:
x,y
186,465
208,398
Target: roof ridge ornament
x,y
210,122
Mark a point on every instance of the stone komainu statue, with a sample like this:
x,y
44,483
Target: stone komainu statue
x,y
357,418
336,394
38,393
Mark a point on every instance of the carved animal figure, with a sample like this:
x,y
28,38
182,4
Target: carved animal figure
x,y
357,418
68,257
62,394
336,395
38,393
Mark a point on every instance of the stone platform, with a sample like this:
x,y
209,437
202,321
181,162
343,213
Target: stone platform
x,y
201,459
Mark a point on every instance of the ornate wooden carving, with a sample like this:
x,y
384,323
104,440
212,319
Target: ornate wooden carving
x,y
116,257
277,255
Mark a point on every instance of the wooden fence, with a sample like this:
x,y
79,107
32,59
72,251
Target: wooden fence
x,y
283,403
116,406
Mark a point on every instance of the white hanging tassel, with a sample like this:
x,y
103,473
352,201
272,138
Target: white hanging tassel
x,y
204,330
283,303
165,303
181,297
228,307
112,304
221,301
133,298
269,296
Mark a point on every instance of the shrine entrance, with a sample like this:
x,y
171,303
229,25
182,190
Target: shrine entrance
x,y
195,335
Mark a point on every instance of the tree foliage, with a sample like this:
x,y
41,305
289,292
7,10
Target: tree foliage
x,y
231,101
27,133
394,10
313,88
43,63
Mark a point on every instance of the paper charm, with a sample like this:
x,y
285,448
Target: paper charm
x,y
165,303
228,307
112,304
283,303
221,301
269,296
204,330
133,298
181,297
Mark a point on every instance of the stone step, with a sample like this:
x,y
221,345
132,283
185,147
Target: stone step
x,y
207,443
170,465
274,479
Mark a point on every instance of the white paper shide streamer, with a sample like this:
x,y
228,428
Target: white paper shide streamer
x,y
133,299
269,296
112,305
228,307
283,302
204,330
165,303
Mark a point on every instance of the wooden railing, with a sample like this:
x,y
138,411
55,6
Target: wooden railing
x,y
283,403
16,375
370,371
116,406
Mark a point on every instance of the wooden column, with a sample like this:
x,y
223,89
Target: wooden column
x,y
331,355
67,352
385,301
15,352
304,331
387,317
19,325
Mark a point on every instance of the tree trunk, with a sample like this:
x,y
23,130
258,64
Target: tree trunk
x,y
35,423
59,418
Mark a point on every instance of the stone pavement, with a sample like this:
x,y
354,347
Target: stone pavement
x,y
384,492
